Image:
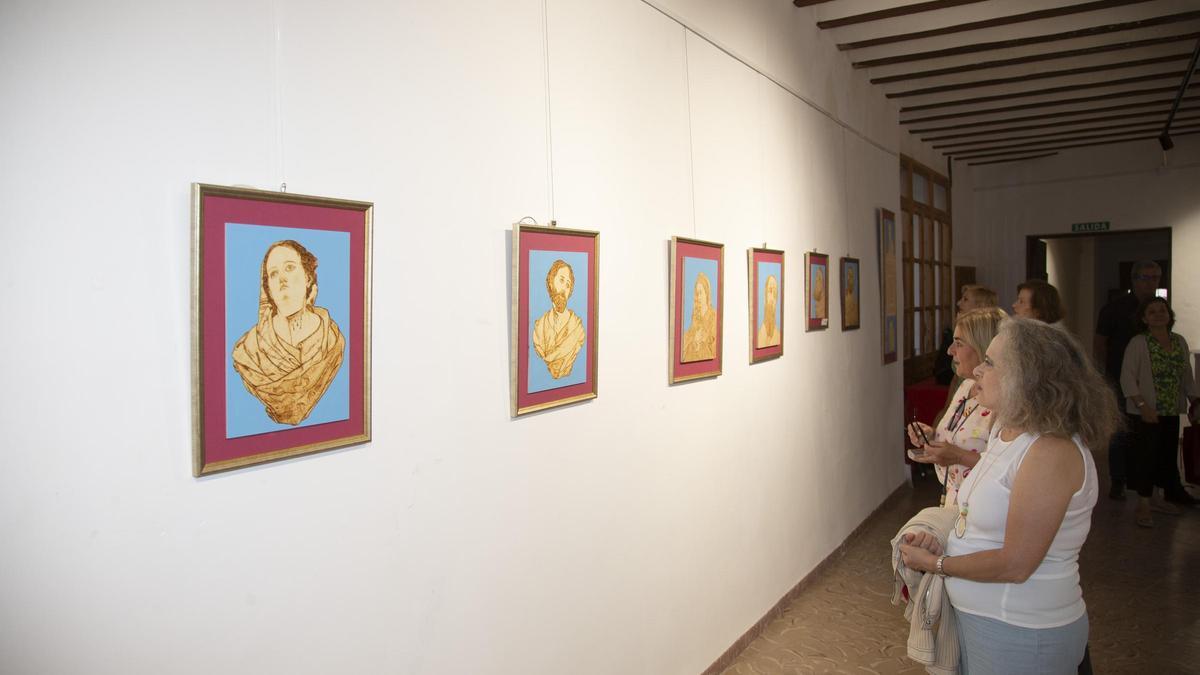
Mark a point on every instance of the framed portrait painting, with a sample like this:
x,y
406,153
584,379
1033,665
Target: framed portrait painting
x,y
887,285
697,309
281,325
554,317
851,295
816,290
765,284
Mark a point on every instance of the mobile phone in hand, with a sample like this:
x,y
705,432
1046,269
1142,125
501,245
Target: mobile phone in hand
x,y
919,433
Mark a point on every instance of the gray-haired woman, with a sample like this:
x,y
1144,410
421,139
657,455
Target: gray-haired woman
x,y
1025,510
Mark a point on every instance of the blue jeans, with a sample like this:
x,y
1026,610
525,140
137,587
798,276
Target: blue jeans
x,y
990,646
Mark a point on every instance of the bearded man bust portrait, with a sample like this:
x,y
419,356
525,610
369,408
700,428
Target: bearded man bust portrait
x,y
851,299
700,340
290,357
558,335
768,332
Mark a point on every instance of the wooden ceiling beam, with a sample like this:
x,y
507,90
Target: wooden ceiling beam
x,y
1013,159
1025,147
1041,75
1165,140
1034,58
893,12
1182,132
809,3
1046,90
1095,5
1043,104
1031,40
1051,125
1129,127
1053,115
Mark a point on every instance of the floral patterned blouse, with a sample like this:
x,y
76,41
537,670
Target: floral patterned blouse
x,y
967,425
1167,366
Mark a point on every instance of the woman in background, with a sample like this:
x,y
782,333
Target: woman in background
x,y
1157,381
1012,559
973,296
1037,299
963,430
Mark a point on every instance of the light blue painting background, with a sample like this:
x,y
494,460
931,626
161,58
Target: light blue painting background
x,y
539,303
813,304
691,268
767,269
245,246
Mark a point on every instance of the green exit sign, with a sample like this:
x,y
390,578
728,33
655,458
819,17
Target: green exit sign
x,y
1098,226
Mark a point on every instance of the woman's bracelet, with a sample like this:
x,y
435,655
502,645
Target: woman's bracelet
x,y
941,571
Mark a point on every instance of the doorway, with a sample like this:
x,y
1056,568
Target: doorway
x,y
1089,269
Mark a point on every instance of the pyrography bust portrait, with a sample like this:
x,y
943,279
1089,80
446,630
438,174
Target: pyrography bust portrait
x,y
851,301
558,335
290,357
768,332
818,293
700,340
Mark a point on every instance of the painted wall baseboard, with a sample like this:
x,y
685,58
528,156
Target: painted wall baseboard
x,y
726,659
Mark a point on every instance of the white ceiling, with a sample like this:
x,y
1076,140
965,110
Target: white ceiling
x,y
987,81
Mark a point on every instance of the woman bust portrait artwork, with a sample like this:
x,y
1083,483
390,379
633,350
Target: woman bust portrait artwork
x,y
289,358
282,363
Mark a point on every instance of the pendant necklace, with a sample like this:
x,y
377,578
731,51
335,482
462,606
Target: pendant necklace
x,y
960,523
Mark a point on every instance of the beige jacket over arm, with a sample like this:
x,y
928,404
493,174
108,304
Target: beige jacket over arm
x,y
1138,380
932,632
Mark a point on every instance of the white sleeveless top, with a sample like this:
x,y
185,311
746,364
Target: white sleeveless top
x,y
1051,596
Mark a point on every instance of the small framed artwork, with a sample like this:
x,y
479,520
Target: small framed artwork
x,y
850,294
887,284
281,325
697,309
816,290
554,317
766,304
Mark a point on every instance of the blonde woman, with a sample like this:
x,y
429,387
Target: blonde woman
x,y
1012,559
963,431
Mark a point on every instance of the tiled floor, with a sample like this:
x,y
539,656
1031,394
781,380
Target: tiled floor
x,y
1142,588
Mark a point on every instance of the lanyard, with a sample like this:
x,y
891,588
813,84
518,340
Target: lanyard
x,y
958,419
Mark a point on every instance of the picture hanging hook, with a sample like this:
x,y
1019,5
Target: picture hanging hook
x,y
553,223
283,187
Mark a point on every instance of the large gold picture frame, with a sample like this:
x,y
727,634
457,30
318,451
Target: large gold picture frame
x,y
697,309
555,317
281,325
764,283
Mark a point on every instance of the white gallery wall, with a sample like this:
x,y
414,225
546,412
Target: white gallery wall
x,y
642,532
1071,268
1134,186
